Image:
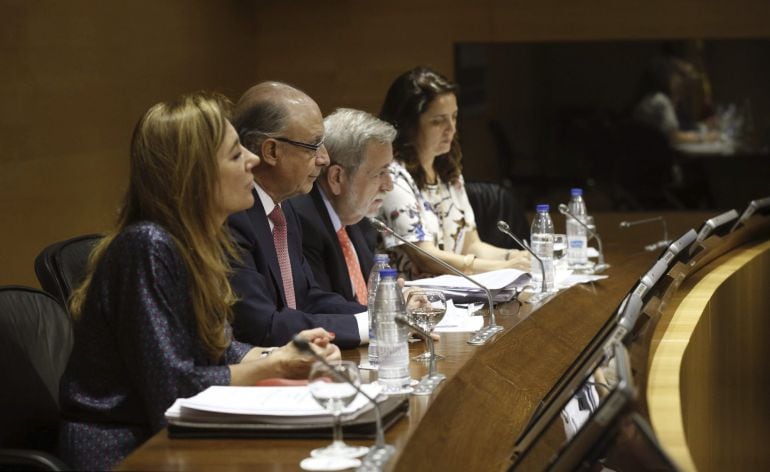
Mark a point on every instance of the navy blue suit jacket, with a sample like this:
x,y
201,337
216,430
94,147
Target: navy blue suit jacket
x,y
322,248
261,315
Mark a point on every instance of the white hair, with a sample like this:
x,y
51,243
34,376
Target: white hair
x,y
349,131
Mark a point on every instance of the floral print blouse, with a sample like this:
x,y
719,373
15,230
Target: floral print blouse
x,y
439,213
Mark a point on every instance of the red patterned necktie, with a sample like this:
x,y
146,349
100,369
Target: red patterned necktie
x,y
282,251
354,269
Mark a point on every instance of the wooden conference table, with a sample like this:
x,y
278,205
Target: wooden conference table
x,y
474,417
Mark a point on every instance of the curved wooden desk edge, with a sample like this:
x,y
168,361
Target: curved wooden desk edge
x,y
663,388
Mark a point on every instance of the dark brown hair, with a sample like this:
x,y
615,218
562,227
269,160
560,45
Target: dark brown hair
x,y
408,97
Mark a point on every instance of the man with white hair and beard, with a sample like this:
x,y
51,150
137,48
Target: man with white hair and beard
x,y
332,215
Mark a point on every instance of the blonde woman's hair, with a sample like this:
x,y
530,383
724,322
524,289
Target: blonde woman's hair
x,y
174,183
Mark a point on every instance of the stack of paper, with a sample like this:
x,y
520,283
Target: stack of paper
x,y
502,283
277,405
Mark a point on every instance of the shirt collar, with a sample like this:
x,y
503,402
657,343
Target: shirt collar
x,y
336,223
267,203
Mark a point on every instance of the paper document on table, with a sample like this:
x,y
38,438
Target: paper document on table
x,y
493,280
460,319
501,283
222,404
573,279
565,278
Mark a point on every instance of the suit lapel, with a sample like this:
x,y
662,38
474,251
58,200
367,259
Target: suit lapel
x,y
323,213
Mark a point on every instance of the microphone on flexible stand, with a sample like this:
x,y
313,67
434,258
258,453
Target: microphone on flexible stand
x,y
754,206
479,337
505,228
601,266
429,382
654,246
379,454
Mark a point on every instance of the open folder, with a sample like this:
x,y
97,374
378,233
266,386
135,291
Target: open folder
x,y
221,411
502,283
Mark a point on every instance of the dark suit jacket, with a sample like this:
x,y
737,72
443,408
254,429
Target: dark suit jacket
x,y
261,315
322,248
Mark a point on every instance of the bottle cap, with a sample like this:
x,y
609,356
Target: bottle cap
x,y
542,208
576,192
379,257
388,273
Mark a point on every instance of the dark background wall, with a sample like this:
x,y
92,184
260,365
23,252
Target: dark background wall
x,y
76,75
559,102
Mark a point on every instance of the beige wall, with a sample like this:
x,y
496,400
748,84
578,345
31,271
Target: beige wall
x,y
75,76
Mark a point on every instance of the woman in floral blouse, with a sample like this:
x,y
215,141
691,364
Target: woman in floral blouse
x,y
428,204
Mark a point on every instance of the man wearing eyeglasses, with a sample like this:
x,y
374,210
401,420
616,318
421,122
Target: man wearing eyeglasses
x,y
278,295
334,231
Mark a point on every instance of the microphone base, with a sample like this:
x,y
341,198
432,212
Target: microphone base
x,y
428,384
483,335
655,246
377,457
589,268
540,296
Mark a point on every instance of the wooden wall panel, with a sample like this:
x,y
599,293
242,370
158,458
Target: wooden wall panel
x,y
75,76
74,79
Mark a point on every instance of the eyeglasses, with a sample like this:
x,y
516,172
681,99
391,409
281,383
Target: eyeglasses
x,y
312,147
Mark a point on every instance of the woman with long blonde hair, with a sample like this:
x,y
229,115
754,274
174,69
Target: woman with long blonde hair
x,y
152,318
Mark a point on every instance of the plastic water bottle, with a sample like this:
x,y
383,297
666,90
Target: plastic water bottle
x,y
542,245
380,262
577,242
392,345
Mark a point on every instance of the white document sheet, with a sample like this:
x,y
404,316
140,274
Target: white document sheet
x,y
493,280
460,319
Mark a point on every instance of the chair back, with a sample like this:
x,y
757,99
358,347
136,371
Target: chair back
x,y
61,267
491,202
35,344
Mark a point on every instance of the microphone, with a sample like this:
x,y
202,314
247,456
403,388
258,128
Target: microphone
x,y
711,225
651,277
754,205
601,266
428,382
484,334
379,454
678,246
654,246
504,228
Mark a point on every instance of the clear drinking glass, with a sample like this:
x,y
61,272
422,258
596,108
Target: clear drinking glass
x,y
426,309
589,221
334,394
560,251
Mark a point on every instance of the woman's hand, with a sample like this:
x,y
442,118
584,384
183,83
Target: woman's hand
x,y
293,364
519,260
